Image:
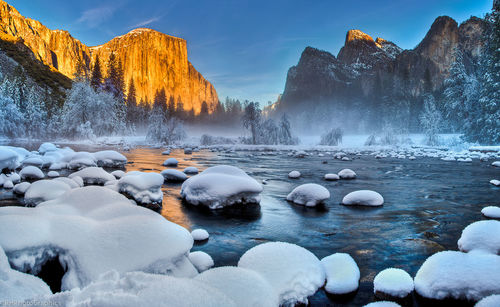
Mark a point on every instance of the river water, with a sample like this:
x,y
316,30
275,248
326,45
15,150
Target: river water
x,y
427,204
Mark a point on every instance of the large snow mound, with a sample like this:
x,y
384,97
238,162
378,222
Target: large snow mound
x,y
93,230
482,235
246,287
309,194
220,186
93,175
294,272
394,282
145,188
452,274
363,198
342,273
17,286
140,289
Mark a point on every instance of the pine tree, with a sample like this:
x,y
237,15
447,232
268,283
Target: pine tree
x,y
131,103
431,120
96,78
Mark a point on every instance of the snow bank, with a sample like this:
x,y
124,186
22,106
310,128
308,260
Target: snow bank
x,y
43,190
342,273
393,282
199,234
171,162
363,198
93,175
201,261
482,235
489,301
141,289
309,194
145,188
31,173
347,174
294,174
458,275
246,287
93,230
17,286
220,186
293,272
109,158
173,175
491,212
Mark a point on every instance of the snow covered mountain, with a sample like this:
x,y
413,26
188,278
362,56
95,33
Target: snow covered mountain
x,y
152,60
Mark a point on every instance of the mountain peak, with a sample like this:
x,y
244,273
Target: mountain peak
x,y
357,35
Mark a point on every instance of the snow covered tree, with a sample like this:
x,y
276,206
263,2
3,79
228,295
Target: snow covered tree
x,y
164,130
332,137
268,133
35,115
131,104
251,119
285,132
431,120
96,76
12,120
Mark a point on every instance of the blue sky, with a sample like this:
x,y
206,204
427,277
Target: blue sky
x,y
246,47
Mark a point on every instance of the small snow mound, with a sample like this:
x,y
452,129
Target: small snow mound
x,y
173,175
145,188
495,182
496,163
53,174
46,147
200,234
118,174
331,177
21,188
93,175
492,212
489,301
8,184
293,271
363,198
246,287
171,162
294,174
31,173
201,261
309,194
347,174
342,273
191,170
34,161
482,235
393,282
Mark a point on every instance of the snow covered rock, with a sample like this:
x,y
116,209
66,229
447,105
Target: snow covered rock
x,y
8,184
171,162
191,170
21,188
294,174
118,174
492,212
347,174
70,181
489,301
135,289
452,274
342,273
166,152
495,182
201,261
109,158
220,186
52,174
188,151
145,188
34,161
246,287
8,159
382,304
17,286
293,272
363,198
199,234
173,175
309,194
482,235
81,159
393,282
46,147
496,163
93,230
31,173
331,177
93,175
43,190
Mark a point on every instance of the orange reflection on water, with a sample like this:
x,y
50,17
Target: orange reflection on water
x,y
151,160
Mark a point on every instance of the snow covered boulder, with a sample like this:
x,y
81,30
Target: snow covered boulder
x,y
342,274
392,283
191,170
135,289
31,173
347,174
92,230
492,212
200,234
43,190
173,175
17,286
109,158
34,161
201,261
245,287
294,174
293,271
145,188
81,159
21,188
309,194
220,186
363,198
166,152
331,177
93,175
482,235
52,174
8,184
171,162
46,147
458,275
8,159
489,301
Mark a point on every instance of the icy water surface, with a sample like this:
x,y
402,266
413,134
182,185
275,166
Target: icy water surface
x,y
427,204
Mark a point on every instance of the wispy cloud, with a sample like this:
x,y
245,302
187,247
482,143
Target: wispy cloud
x,y
96,16
146,22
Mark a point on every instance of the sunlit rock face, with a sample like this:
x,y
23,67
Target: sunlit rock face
x,y
153,60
